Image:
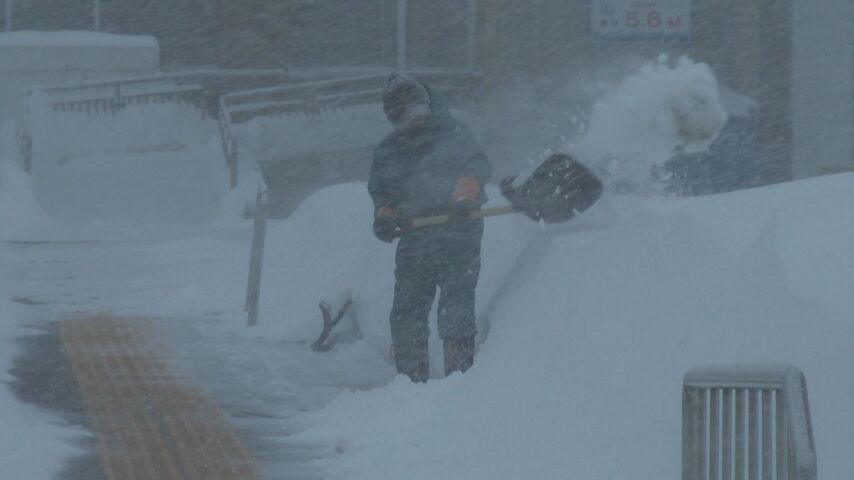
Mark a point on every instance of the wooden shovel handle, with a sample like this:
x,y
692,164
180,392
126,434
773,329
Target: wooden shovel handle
x,y
480,213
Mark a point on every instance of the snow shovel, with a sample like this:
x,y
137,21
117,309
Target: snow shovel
x,y
559,188
322,344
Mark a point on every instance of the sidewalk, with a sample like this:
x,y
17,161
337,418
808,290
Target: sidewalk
x,y
165,392
151,422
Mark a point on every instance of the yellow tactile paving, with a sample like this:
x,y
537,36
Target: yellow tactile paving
x,y
151,423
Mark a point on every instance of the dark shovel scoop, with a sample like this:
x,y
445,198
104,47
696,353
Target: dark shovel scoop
x,y
559,189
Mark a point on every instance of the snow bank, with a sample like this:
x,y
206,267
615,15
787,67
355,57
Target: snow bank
x,y
19,211
145,164
581,374
60,137
649,117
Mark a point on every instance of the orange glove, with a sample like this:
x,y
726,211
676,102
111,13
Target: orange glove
x,y
385,211
466,188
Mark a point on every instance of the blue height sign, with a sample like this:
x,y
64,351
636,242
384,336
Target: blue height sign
x,y
642,21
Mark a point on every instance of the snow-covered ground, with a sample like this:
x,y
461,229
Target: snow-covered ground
x,y
581,373
591,324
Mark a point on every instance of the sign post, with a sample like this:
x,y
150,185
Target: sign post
x,y
401,35
641,21
259,231
9,8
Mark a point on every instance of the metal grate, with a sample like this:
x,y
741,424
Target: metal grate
x,y
747,422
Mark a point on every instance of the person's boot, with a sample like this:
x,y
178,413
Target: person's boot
x,y
459,354
413,360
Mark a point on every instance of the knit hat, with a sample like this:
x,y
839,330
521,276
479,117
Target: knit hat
x,y
404,96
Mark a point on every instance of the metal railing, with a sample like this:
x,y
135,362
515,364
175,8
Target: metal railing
x,y
314,97
749,422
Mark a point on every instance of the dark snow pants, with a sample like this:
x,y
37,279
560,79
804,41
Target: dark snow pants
x,y
444,256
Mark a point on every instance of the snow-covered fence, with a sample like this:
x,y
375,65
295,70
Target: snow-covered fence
x,y
315,97
198,89
746,422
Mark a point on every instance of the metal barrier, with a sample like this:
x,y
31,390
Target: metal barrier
x,y
748,422
308,98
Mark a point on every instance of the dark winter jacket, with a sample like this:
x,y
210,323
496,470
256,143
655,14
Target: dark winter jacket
x,y
415,168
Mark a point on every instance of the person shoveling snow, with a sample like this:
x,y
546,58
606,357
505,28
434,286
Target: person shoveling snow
x,y
426,185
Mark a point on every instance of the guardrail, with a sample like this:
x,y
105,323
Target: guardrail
x,y
746,422
459,88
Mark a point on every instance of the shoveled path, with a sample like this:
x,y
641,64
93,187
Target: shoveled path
x,y
150,421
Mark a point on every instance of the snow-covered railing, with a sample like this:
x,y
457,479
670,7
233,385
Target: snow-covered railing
x,y
107,96
746,422
112,97
308,98
199,89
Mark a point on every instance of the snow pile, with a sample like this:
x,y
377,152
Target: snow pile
x,y
144,164
20,214
658,112
591,337
130,189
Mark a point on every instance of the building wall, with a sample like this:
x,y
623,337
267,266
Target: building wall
x,y
823,87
